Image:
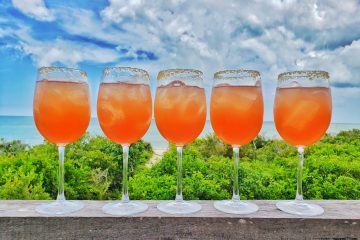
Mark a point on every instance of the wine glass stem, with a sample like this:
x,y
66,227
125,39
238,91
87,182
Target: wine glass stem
x,y
299,192
61,196
125,191
236,196
179,196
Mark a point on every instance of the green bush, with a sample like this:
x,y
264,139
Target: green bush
x,y
267,170
201,180
93,170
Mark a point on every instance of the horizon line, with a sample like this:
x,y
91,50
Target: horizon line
x,y
154,119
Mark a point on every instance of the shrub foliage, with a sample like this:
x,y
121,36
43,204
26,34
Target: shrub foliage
x,y
93,170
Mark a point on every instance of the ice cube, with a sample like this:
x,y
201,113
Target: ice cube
x,y
169,97
293,84
78,96
137,80
132,93
248,96
302,114
143,91
192,107
243,106
110,114
200,110
322,93
176,83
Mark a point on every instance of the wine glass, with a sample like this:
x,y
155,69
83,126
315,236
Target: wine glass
x,y
124,109
62,115
180,114
236,113
302,112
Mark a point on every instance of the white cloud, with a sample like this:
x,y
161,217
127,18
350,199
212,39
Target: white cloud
x,y
34,8
218,34
343,64
84,22
270,36
122,9
67,52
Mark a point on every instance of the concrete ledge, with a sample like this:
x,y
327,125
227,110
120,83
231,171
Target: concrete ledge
x,y
341,220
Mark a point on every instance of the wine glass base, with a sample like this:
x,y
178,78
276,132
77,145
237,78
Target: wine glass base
x,y
179,207
300,208
60,207
236,207
124,208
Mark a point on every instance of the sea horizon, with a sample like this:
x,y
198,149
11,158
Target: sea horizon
x,y
92,117
23,128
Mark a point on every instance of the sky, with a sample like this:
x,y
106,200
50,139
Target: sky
x,y
271,36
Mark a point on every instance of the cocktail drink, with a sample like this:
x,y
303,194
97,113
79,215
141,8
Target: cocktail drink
x,y
180,112
302,112
236,113
61,110
62,114
124,110
180,115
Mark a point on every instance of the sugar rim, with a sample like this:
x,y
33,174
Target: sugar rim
x,y
310,74
43,70
138,71
246,74
193,73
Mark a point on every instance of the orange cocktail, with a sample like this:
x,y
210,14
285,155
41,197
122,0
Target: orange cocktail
x,y
180,115
236,113
124,111
180,112
302,114
61,110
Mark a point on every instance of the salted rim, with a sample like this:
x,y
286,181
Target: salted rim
x,y
248,73
141,72
43,70
310,74
193,73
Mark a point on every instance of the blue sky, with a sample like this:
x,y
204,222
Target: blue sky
x,y
271,36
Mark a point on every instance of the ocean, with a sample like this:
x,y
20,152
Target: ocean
x,y
24,129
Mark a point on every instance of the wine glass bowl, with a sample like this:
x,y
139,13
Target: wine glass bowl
x,y
236,113
124,109
61,104
124,104
302,108
302,114
238,95
61,110
180,115
180,105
